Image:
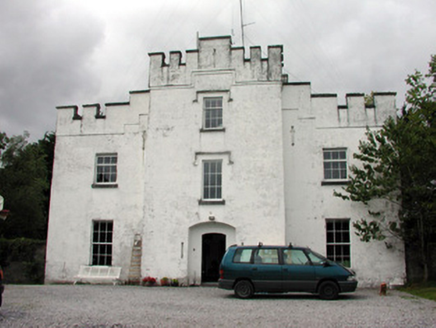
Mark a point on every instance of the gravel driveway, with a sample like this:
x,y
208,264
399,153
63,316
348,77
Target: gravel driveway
x,y
133,306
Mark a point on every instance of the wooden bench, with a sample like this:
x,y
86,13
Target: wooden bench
x,y
98,274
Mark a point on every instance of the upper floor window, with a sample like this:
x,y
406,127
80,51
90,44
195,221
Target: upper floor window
x,y
212,179
338,241
106,169
213,113
335,164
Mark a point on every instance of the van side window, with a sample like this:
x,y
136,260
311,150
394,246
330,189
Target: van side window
x,y
295,257
266,256
316,258
242,255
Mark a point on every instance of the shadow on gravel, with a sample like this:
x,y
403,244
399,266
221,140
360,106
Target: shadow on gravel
x,y
299,297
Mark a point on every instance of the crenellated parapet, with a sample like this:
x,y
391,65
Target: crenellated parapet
x,y
108,118
355,113
215,54
325,109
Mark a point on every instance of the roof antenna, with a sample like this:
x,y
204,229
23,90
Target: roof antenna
x,y
242,23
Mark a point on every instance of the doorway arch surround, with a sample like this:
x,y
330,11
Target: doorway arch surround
x,y
195,250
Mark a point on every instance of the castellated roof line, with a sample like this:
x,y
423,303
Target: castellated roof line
x,y
218,67
215,53
177,54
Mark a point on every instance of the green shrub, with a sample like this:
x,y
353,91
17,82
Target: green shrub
x,y
23,260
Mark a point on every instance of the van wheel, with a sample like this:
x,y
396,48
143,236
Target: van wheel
x,y
244,289
328,290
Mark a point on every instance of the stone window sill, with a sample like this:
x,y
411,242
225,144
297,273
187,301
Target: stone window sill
x,y
105,186
211,202
334,183
213,130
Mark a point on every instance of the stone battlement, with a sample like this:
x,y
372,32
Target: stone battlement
x,y
108,118
328,113
215,54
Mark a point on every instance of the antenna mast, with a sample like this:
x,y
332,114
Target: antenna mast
x,y
242,24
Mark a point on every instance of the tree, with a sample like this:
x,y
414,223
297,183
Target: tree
x,y
398,164
25,177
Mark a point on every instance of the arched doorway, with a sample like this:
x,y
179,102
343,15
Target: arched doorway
x,y
207,244
213,249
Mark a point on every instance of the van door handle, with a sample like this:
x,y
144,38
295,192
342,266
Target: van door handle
x,y
285,270
254,269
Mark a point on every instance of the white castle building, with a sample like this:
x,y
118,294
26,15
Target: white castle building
x,y
220,150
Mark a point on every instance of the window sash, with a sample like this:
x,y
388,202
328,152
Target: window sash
x,y
106,169
212,179
338,241
335,164
102,237
213,113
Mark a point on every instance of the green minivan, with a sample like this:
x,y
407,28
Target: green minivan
x,y
282,269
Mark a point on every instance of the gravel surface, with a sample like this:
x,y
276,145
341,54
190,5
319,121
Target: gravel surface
x,y
134,306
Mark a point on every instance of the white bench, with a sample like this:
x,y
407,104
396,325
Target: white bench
x,y
98,274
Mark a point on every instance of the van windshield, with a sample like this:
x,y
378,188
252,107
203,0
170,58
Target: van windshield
x,y
315,257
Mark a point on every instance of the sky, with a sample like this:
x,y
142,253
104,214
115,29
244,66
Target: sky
x,y
75,52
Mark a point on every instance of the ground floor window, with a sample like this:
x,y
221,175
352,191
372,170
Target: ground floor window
x,y
102,242
338,241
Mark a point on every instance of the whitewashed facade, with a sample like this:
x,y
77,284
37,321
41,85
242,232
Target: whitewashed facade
x,y
219,150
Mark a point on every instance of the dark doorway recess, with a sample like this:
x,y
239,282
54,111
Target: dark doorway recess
x,y
213,249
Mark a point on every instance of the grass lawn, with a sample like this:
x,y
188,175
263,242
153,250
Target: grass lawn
x,y
424,290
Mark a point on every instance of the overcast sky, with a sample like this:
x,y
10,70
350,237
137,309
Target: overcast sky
x,y
66,52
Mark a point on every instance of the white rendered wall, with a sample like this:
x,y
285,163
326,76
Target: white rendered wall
x,y
310,125
271,150
75,203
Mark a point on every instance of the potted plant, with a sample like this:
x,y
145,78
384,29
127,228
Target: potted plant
x,y
175,282
165,281
148,281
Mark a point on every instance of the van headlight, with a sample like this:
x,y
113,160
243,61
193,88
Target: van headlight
x,y
351,278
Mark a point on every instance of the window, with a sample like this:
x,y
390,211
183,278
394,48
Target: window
x,y
338,241
242,255
102,243
106,169
266,256
295,257
335,164
213,113
212,180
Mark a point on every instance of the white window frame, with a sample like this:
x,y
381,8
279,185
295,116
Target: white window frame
x,y
216,185
338,241
218,110
109,165
102,242
332,161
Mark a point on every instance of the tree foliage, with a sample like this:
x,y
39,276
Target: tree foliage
x,y
25,177
398,163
